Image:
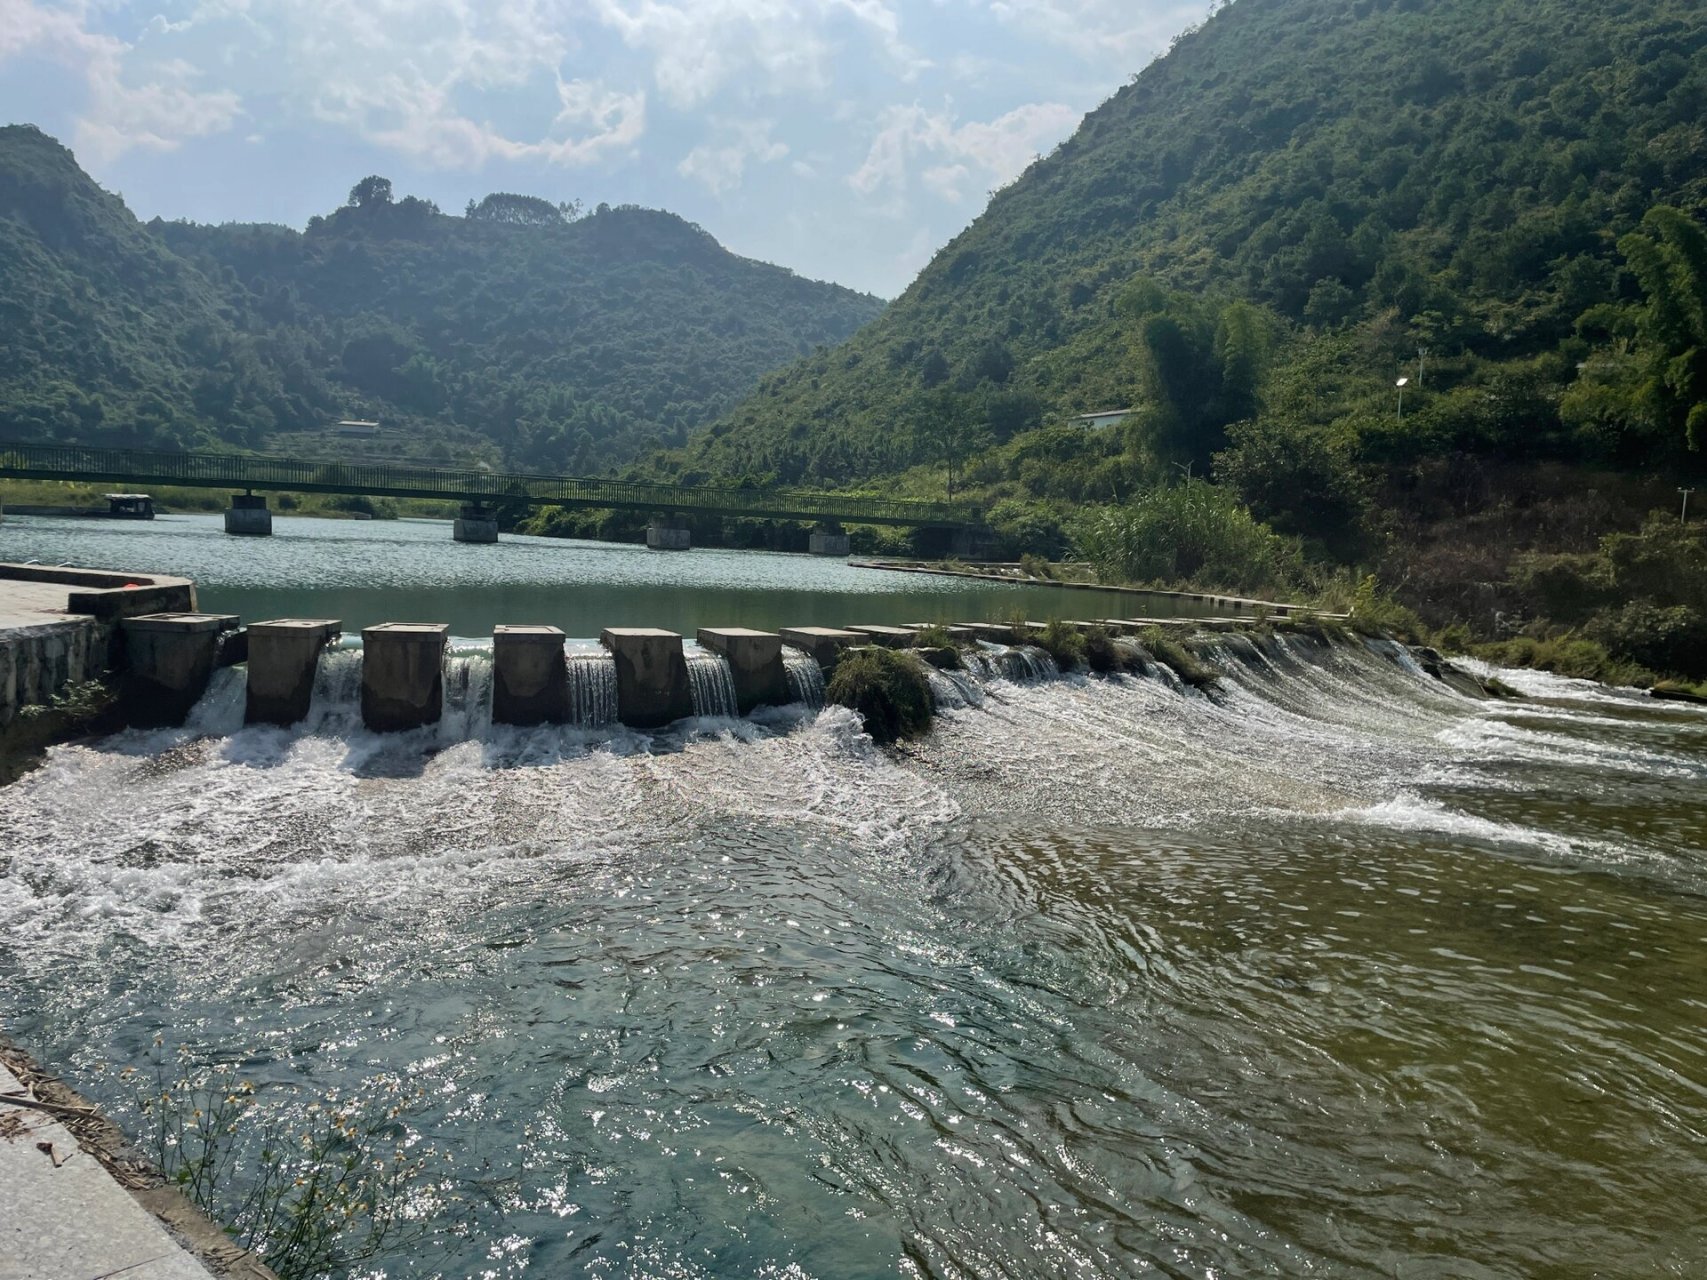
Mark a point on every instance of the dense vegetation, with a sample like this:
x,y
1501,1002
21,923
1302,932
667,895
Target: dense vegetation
x,y
1499,201
523,334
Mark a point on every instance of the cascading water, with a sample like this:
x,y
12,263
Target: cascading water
x,y
712,684
1018,664
1094,979
592,690
805,678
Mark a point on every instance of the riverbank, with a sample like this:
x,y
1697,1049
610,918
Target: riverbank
x,y
80,1201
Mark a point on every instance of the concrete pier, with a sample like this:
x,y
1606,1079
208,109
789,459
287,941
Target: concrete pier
x,y
248,516
829,543
284,654
403,685
169,658
652,686
888,637
825,644
530,677
663,536
475,524
755,661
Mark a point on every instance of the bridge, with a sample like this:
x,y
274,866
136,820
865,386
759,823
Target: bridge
x,y
477,490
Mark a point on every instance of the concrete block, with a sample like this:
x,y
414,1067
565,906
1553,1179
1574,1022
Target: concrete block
x,y
168,660
825,644
652,686
403,684
830,544
664,537
284,655
994,632
755,660
530,676
248,516
888,637
475,524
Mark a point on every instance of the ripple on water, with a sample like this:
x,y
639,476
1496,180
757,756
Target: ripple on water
x,y
1099,979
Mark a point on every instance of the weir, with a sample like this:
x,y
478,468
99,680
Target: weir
x,y
169,659
652,687
284,658
403,675
755,664
530,679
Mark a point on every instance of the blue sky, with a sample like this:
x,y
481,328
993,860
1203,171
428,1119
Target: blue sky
x,y
847,139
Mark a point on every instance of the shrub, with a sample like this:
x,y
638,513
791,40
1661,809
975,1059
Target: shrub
x,y
1165,649
1673,639
1190,532
1060,642
1101,653
888,688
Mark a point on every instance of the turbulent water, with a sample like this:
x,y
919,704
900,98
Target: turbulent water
x,y
1335,973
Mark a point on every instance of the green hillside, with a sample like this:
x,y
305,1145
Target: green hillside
x,y
520,332
1321,185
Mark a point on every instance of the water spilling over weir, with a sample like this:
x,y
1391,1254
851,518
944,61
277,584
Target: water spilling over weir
x,y
1335,971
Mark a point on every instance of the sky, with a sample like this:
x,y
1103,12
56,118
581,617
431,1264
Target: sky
x,y
845,139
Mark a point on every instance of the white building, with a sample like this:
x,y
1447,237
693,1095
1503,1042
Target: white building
x,y
1102,418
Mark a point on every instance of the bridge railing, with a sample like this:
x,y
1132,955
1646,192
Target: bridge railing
x,y
244,471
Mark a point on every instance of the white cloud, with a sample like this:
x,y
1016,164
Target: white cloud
x,y
993,151
158,114
1102,31
700,48
721,167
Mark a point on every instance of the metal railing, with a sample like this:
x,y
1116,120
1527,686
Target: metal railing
x,y
388,480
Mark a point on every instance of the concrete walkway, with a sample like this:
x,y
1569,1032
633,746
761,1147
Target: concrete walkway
x,y
63,1216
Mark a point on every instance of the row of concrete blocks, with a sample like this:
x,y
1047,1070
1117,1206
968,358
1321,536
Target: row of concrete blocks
x,y
249,517
170,659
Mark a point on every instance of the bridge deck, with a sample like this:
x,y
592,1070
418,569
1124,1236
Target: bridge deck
x,y
136,467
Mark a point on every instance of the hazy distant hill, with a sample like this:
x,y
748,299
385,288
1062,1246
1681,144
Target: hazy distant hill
x,y
520,331
1452,175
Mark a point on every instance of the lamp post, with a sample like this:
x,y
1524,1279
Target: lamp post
x,y
1401,385
1683,516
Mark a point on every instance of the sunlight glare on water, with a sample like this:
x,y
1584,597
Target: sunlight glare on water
x,y
1334,973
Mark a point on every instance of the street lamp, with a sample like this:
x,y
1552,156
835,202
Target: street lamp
x,y
1683,517
1401,385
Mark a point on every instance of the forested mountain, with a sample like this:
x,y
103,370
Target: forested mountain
x,y
1305,200
522,333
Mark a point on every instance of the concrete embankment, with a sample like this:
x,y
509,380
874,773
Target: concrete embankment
x,y
76,1200
61,626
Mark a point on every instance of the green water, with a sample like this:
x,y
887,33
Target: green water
x,y
1334,974
366,572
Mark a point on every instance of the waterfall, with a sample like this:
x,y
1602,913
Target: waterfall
x,y
219,712
592,689
467,695
336,702
713,685
805,677
1018,664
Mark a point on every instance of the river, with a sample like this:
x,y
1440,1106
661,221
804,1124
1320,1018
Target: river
x,y
1337,973
369,571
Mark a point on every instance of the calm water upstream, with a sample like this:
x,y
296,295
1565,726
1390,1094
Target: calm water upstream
x,y
1334,974
369,571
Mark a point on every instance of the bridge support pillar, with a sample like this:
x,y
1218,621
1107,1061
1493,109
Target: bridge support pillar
x,y
829,540
403,681
755,660
284,654
168,660
825,644
651,676
248,516
664,536
476,524
530,678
